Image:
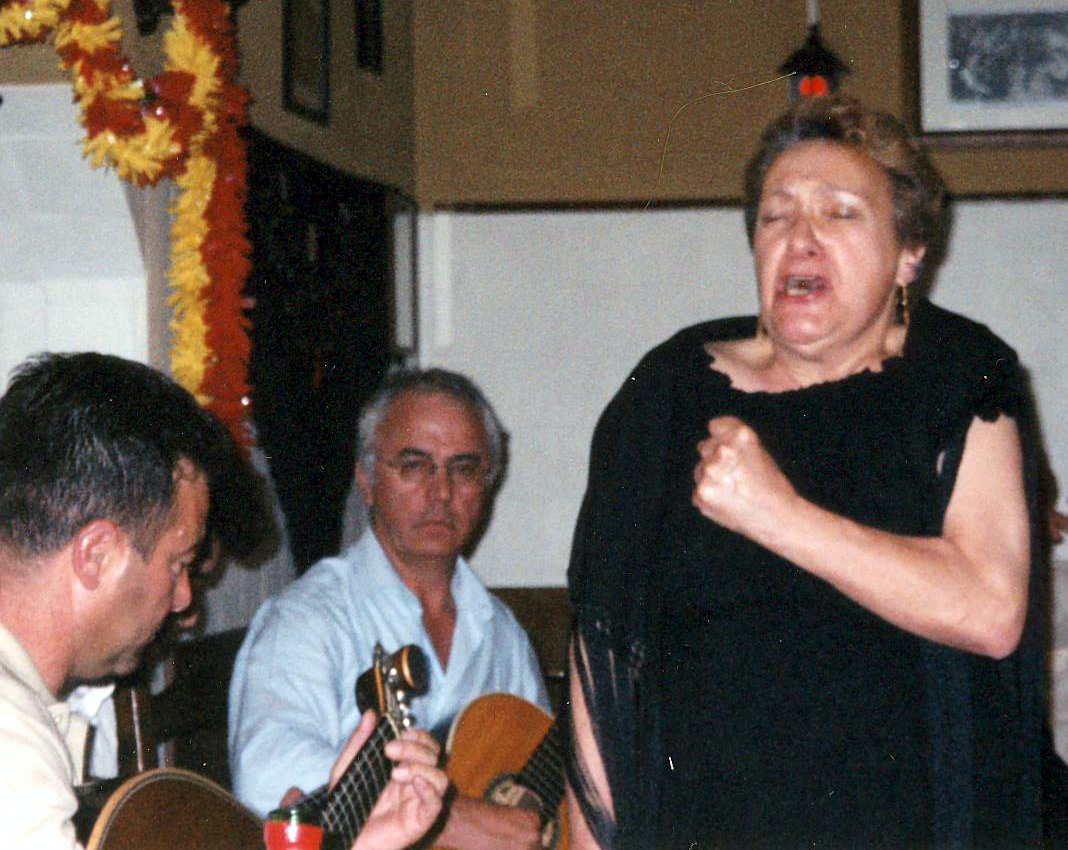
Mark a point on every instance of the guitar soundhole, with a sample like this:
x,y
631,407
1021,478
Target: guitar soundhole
x,y
505,790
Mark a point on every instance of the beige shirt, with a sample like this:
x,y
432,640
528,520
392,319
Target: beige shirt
x,y
41,751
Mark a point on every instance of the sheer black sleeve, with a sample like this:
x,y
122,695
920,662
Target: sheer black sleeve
x,y
613,583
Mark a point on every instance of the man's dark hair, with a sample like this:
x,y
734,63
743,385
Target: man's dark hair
x,y
93,436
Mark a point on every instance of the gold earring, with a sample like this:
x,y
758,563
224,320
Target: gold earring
x,y
903,309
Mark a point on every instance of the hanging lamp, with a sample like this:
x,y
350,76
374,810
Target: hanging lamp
x,y
816,69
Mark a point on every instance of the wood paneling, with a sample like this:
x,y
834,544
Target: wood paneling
x,y
571,102
546,614
522,102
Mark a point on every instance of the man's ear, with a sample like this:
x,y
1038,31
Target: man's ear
x,y
99,547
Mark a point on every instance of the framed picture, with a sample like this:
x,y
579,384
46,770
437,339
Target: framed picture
x,y
306,58
996,67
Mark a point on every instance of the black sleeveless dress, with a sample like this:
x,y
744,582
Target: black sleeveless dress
x,y
755,705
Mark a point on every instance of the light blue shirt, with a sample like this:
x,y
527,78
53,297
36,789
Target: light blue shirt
x,y
292,700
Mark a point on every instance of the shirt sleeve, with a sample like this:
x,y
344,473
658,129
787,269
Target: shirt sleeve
x,y
531,684
35,779
284,710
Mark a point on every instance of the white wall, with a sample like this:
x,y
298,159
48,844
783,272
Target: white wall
x,y
548,311
1008,268
83,260
71,275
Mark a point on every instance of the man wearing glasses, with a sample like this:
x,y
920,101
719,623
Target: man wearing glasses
x,y
430,452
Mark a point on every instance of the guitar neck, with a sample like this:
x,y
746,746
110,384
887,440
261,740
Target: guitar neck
x,y
344,809
544,772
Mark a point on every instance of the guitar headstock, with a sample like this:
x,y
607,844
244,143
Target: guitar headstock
x,y
390,683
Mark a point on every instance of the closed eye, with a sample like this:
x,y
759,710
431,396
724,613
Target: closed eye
x,y
185,561
772,216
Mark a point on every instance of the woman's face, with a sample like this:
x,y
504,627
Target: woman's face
x,y
826,252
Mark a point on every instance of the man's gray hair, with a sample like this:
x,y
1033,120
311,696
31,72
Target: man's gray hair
x,y
428,382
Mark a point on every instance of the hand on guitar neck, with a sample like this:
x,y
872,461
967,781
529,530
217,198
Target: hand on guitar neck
x,y
411,802
385,789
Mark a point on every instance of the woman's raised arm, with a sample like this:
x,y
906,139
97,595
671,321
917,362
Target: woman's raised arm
x,y
966,588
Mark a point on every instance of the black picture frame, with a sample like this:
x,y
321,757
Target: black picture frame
x,y
1003,101
306,58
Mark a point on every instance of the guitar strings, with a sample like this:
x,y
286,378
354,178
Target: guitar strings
x,y
356,793
352,808
352,799
544,772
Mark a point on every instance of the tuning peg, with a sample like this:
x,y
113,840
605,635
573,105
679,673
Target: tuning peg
x,y
405,672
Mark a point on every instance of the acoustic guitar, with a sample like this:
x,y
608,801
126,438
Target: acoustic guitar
x,y
509,751
168,808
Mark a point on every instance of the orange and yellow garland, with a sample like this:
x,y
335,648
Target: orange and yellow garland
x,y
183,125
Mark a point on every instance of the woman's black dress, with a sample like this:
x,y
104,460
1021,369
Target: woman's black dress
x,y
741,702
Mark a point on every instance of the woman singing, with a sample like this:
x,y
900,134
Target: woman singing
x,y
802,567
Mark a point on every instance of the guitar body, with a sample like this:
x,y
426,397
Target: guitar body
x,y
493,739
167,808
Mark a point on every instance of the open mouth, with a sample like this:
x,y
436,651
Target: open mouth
x,y
803,285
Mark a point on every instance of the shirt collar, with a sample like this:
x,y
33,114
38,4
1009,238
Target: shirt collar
x,y
14,656
472,599
87,700
72,727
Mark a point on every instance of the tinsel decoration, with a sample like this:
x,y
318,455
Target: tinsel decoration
x,y
183,125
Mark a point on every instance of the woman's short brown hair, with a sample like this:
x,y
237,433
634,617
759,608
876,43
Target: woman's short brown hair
x,y
919,193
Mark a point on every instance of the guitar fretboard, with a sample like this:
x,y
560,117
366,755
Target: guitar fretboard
x,y
344,809
544,772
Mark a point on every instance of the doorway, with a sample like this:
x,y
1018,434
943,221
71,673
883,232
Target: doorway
x,y
323,312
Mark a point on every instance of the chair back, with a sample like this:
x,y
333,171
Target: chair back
x,y
189,716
